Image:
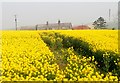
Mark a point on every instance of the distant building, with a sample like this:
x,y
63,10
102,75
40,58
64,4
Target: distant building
x,y
54,26
28,28
47,26
90,26
81,27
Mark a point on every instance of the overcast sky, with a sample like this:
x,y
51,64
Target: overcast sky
x,y
32,13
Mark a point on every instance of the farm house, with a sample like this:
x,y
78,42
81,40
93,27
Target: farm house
x,y
47,26
27,28
54,26
81,27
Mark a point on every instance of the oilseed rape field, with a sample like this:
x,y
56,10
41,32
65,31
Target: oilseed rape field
x,y
59,55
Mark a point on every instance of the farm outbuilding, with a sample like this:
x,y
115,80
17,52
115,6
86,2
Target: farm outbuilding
x,y
47,26
54,26
28,28
81,27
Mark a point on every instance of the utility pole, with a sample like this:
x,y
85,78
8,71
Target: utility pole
x,y
15,22
109,14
